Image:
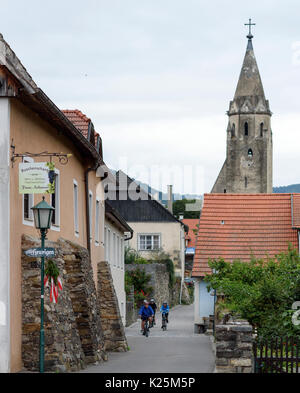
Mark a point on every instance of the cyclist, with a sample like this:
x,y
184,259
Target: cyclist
x,y
165,310
154,308
146,312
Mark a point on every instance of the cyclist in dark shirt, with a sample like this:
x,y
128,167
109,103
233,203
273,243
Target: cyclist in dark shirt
x,y
153,305
154,308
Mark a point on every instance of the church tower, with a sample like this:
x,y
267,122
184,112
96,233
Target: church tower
x,y
249,162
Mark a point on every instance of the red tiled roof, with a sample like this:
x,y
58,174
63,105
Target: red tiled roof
x,y
234,226
79,120
296,210
191,236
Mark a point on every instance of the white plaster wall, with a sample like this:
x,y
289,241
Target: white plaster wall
x,y
4,235
117,267
206,301
172,239
196,302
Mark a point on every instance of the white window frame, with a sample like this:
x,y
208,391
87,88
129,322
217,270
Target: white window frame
x,y
76,208
114,250
109,246
56,226
28,221
152,242
105,244
122,254
97,222
118,251
91,213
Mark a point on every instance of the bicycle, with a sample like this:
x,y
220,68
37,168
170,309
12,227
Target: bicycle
x,y
153,323
164,322
146,331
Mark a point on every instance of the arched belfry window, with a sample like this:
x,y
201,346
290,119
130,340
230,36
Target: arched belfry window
x,y
261,130
246,182
250,153
246,127
233,131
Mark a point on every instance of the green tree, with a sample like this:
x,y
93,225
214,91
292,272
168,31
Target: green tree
x,y
262,292
179,207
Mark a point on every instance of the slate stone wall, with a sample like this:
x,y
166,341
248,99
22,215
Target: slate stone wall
x,y
113,329
73,334
234,344
160,284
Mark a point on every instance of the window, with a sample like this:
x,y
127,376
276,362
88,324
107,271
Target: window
x,y
28,202
122,254
233,131
118,251
261,130
246,182
108,247
114,256
105,242
246,126
250,153
75,197
149,242
97,223
55,202
91,212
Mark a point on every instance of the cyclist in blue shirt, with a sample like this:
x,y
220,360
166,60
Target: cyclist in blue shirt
x,y
146,312
165,310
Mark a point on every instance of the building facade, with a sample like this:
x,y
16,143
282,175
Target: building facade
x,y
155,228
31,124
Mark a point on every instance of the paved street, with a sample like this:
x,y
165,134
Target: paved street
x,y
176,350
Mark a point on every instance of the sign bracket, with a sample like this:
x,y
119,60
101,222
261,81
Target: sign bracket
x,y
62,157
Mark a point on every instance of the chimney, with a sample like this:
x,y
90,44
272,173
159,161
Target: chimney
x,y
170,199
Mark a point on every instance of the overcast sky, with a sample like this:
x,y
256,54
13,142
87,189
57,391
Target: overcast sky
x,y
156,76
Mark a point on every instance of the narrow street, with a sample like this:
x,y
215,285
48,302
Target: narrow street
x,y
178,350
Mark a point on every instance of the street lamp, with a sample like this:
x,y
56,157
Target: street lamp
x,y
42,213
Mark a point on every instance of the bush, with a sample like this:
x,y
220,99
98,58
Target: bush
x,y
133,257
262,292
140,280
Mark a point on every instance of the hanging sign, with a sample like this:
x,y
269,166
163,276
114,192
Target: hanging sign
x,y
34,178
40,252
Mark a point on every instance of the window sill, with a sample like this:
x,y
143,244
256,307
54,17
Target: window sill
x,y
149,250
28,222
55,228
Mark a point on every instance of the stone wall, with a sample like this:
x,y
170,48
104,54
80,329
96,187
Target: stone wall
x,y
175,294
159,280
234,352
73,334
160,284
113,329
131,311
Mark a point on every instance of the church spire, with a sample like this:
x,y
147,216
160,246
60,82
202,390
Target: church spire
x,y
249,96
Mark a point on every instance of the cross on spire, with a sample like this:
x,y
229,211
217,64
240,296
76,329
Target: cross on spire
x,y
250,24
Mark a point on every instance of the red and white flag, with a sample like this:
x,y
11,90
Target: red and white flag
x,y
53,288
